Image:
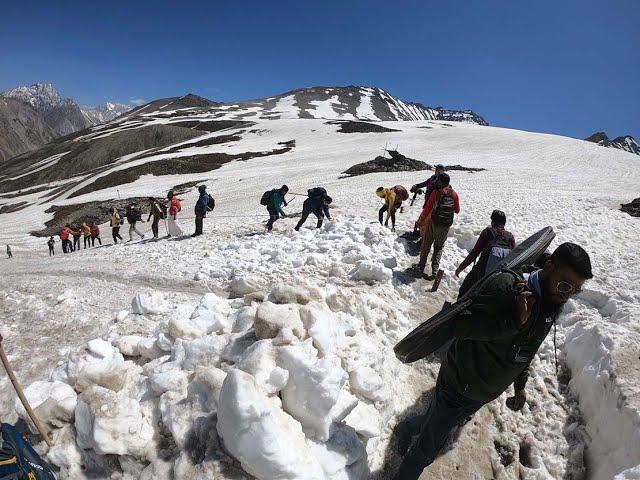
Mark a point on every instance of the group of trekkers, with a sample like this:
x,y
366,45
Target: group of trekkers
x,y
495,339
90,231
159,210
318,203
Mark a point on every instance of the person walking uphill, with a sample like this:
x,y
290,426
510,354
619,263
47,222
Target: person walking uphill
x,y
492,246
95,234
273,200
86,233
51,243
442,205
65,233
318,204
115,223
174,208
430,184
493,346
9,252
134,215
205,204
159,212
77,233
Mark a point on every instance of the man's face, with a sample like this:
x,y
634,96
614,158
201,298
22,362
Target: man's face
x,y
561,283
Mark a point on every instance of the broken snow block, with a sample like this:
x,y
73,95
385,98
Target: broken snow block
x,y
271,319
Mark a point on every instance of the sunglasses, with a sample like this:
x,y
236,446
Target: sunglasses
x,y
566,287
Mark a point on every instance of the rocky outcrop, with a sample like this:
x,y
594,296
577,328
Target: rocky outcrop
x,y
632,208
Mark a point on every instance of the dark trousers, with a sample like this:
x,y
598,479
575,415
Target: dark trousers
x,y
448,410
305,215
154,226
51,252
115,233
199,223
66,246
87,241
76,242
93,240
381,216
273,216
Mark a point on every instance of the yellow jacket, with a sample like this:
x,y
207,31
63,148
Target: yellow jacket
x,y
115,220
391,200
86,229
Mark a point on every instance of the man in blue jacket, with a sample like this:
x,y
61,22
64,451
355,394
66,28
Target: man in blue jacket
x,y
274,205
318,204
204,204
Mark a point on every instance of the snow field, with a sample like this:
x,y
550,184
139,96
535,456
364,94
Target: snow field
x,y
312,316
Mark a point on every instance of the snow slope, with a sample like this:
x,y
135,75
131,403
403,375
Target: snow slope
x,y
290,335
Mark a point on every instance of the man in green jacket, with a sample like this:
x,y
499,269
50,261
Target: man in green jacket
x,y
494,344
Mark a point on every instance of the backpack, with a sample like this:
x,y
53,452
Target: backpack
x,y
316,192
445,209
266,197
499,247
211,204
401,192
18,459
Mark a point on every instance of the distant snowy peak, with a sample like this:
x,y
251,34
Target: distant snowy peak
x,y
41,96
105,113
626,142
352,103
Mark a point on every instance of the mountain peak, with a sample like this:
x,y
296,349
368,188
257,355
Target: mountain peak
x,y
624,142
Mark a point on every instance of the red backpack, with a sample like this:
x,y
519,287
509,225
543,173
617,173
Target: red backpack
x,y
401,192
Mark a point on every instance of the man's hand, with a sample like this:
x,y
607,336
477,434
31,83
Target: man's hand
x,y
412,189
516,402
524,304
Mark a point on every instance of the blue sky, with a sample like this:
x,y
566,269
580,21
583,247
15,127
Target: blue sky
x,y
570,67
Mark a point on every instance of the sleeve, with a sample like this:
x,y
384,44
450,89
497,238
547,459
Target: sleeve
x,y
521,380
456,202
278,201
493,314
423,184
433,199
325,209
512,243
478,248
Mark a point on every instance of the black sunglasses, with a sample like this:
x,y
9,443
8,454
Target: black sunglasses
x,y
566,287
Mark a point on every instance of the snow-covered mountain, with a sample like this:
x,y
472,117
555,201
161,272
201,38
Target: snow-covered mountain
x,y
64,115
348,103
625,142
22,128
105,113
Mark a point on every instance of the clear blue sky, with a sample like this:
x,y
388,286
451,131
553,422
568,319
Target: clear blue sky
x,y
565,66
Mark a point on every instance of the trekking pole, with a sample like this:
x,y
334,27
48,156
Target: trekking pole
x,y
298,194
20,392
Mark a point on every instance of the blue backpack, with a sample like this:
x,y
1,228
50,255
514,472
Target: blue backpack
x,y
18,459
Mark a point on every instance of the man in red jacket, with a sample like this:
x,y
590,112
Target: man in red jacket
x,y
442,205
66,231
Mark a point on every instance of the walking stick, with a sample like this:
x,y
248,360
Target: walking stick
x,y
20,392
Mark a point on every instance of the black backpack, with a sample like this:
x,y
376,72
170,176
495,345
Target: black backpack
x,y
445,209
18,459
211,204
266,197
316,192
497,250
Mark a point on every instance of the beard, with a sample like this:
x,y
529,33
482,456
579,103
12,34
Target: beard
x,y
551,302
